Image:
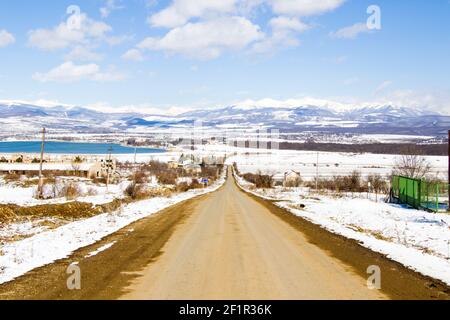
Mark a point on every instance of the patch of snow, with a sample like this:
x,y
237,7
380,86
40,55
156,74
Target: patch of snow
x,y
101,249
419,240
18,258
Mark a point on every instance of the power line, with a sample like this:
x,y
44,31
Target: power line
x,y
41,182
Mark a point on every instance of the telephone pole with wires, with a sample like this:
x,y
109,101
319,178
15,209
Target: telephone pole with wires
x,y
41,180
317,172
108,166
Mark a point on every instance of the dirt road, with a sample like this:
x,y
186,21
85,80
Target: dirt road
x,y
226,245
234,248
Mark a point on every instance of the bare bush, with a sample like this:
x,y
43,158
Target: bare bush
x,y
210,172
378,184
134,190
195,184
98,180
259,180
70,191
349,183
92,192
293,183
140,176
182,187
76,168
167,178
412,164
12,177
157,167
60,189
185,186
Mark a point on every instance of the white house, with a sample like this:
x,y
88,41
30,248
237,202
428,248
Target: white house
x,y
188,159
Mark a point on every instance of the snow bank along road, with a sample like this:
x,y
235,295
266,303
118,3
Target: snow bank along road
x,y
224,245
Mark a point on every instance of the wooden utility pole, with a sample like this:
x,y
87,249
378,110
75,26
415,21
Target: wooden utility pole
x,y
41,181
108,164
317,172
135,154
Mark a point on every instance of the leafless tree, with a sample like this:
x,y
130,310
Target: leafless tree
x,y
76,168
412,164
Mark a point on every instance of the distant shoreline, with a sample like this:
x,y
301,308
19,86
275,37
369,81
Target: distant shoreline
x,y
66,147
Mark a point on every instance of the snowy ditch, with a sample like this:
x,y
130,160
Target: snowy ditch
x,y
20,257
418,240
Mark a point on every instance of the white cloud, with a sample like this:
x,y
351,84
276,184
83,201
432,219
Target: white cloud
x,y
181,11
109,7
6,38
304,7
424,100
133,55
70,72
285,23
285,32
117,40
81,53
351,32
197,27
208,39
64,36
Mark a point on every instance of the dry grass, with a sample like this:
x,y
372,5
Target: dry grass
x,y
260,181
9,213
167,178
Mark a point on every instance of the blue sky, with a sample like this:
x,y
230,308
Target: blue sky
x,y
174,55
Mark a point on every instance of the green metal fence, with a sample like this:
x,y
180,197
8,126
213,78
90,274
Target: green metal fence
x,y
420,194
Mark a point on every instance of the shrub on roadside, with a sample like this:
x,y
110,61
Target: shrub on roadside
x,y
210,173
167,178
182,187
293,183
352,183
156,167
139,176
12,177
260,180
185,186
133,190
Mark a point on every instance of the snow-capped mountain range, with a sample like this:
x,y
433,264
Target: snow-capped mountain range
x,y
385,119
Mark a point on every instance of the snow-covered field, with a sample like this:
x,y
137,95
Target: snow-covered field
x,y
416,239
90,193
330,163
20,257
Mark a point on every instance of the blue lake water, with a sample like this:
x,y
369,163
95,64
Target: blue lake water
x,y
70,148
